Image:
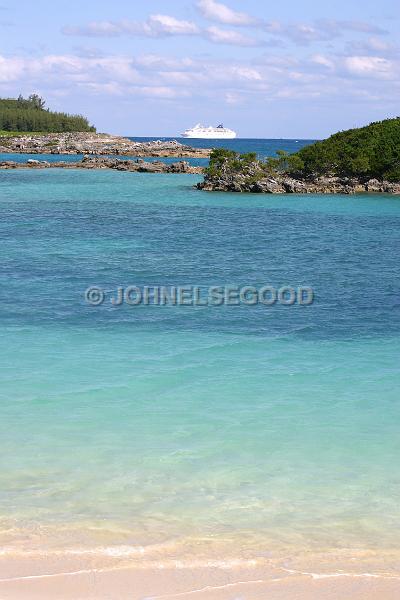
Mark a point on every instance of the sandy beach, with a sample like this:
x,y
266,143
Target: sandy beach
x,y
111,573
71,580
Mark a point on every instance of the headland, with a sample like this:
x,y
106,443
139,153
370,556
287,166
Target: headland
x,y
95,144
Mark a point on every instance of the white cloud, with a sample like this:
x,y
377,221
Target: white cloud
x,y
298,93
246,73
273,27
216,11
161,92
166,24
161,26
336,27
155,62
303,33
320,59
299,33
109,89
372,45
303,77
172,79
233,98
178,78
95,29
155,26
378,45
322,30
227,36
369,66
11,69
149,75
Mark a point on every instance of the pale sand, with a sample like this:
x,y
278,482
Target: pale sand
x,y
76,579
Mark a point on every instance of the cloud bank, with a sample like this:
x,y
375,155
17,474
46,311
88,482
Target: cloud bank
x,y
162,25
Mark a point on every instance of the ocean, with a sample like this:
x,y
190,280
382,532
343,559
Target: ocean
x,y
197,432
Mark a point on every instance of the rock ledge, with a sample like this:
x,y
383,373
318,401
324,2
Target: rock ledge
x,y
283,184
96,144
97,162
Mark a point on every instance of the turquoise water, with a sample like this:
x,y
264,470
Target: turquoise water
x,y
260,427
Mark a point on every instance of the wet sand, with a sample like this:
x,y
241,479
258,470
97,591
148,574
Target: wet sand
x,y
74,578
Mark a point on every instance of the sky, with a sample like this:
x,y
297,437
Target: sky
x,y
290,69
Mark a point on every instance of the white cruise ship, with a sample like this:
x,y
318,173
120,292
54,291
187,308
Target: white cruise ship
x,y
211,133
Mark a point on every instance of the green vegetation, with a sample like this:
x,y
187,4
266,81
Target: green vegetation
x,y
368,152
223,161
10,134
27,115
221,158
371,151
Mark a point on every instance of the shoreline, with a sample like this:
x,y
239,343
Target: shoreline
x,y
96,162
285,184
96,144
69,577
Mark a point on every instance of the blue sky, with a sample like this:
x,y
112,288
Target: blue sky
x,y
266,69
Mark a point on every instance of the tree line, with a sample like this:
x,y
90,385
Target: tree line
x,y
370,151
367,152
30,114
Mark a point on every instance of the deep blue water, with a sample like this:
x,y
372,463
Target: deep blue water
x,y
261,147
119,229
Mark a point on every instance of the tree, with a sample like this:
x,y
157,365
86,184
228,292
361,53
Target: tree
x,y
364,153
29,115
37,102
371,151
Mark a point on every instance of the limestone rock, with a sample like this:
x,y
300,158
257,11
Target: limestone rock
x,y
96,144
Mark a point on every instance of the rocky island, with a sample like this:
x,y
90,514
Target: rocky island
x,y
97,162
366,159
95,144
28,127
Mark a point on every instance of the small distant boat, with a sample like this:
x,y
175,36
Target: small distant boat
x,y
212,133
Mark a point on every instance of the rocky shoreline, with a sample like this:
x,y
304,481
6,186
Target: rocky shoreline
x,y
96,144
283,184
96,162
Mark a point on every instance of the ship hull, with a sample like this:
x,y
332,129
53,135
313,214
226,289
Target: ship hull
x,y
212,136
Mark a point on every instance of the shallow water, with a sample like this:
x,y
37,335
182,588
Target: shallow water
x,y
276,426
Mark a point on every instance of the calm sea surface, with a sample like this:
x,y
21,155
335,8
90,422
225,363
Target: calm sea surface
x,y
275,426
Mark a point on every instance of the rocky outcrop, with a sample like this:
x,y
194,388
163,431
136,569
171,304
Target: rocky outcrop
x,y
283,184
97,162
96,144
